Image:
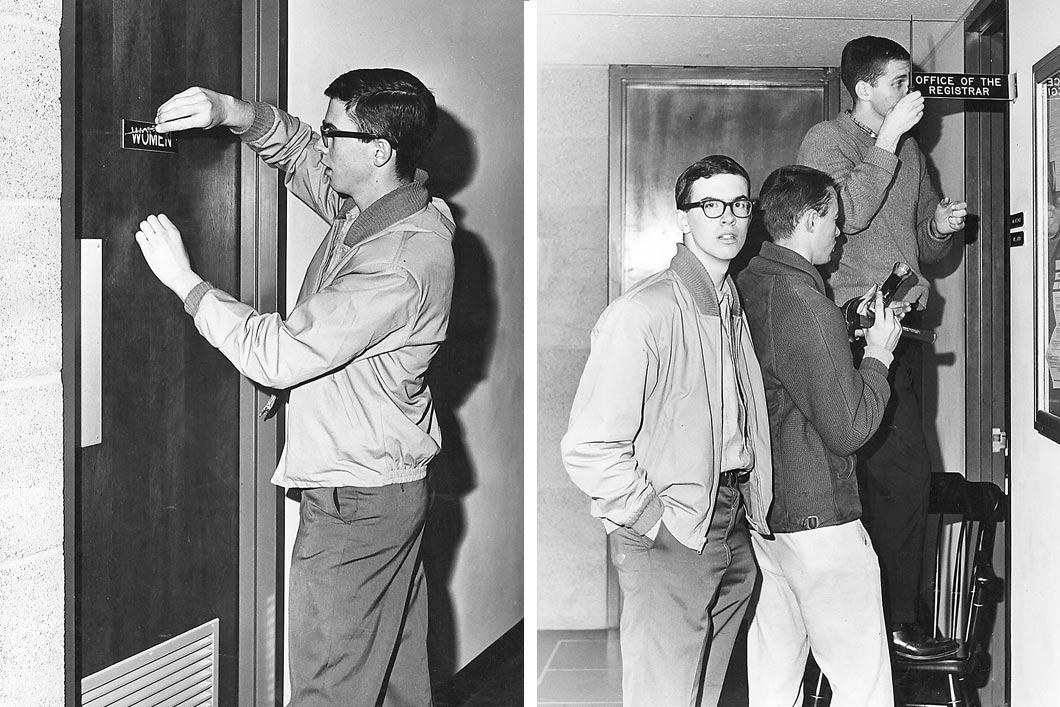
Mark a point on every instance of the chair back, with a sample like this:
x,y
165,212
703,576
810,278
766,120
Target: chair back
x,y
968,513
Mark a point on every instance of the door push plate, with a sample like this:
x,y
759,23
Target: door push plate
x,y
91,341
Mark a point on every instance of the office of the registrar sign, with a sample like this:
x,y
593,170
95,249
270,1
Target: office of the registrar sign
x,y
982,86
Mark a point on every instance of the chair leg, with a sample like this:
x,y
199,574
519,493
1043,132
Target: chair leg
x,y
969,693
956,692
817,696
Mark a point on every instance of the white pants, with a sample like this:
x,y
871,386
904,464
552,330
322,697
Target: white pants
x,y
820,592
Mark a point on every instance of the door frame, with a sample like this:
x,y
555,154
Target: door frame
x,y
264,56
987,312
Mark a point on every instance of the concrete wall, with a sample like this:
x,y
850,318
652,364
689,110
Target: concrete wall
x,y
470,54
1035,484
573,230
31,407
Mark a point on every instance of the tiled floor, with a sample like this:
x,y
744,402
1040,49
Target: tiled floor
x,y
584,668
578,668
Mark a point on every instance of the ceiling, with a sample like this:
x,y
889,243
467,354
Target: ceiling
x,y
744,33
934,10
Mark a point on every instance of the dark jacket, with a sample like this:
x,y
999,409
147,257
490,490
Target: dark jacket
x,y
821,408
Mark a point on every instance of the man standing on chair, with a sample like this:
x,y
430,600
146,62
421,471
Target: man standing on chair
x,y
352,354
669,437
890,212
820,587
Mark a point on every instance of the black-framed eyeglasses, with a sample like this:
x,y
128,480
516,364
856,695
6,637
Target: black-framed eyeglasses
x,y
327,132
741,207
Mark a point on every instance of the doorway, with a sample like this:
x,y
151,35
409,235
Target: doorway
x,y
174,521
986,295
665,118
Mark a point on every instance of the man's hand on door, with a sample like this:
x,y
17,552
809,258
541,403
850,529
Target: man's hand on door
x,y
163,249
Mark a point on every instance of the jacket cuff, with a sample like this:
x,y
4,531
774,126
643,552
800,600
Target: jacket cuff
x,y
191,302
880,354
264,119
652,512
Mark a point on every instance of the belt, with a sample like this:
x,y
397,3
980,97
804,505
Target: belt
x,y
734,477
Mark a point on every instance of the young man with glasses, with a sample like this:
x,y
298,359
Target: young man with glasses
x,y
352,354
820,587
669,437
891,212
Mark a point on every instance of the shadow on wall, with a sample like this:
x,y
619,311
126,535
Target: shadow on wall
x,y
457,369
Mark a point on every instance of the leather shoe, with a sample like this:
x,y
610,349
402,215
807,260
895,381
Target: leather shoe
x,y
910,641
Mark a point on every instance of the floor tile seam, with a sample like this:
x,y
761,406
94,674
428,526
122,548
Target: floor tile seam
x,y
548,662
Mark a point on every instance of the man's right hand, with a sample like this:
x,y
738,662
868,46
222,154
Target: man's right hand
x,y
887,329
905,114
202,108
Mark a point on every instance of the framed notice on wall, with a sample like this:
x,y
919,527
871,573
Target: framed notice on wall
x,y
1047,244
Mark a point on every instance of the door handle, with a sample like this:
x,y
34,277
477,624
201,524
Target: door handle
x,y
91,353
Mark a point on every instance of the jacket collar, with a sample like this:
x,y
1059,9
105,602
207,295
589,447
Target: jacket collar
x,y
695,277
386,211
786,256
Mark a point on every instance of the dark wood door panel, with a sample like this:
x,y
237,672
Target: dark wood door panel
x,y
665,118
157,525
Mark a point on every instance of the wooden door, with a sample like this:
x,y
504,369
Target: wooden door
x,y
160,529
665,118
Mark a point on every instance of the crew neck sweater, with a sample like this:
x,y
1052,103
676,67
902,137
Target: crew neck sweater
x,y
887,203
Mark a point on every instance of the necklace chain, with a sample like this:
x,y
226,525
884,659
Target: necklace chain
x,y
867,130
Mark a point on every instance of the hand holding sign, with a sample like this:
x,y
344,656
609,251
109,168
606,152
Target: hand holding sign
x,y
199,107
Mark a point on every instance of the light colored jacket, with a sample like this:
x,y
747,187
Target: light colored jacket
x,y
372,312
645,433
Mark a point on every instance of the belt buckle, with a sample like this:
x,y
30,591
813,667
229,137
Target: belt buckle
x,y
734,477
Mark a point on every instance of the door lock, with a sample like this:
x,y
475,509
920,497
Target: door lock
x,y
998,441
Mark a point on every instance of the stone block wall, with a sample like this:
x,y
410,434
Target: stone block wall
x,y
31,392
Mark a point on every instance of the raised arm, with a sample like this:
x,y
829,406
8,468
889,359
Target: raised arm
x,y
199,107
280,139
864,180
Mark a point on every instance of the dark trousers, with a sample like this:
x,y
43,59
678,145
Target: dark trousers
x,y
894,478
358,599
681,610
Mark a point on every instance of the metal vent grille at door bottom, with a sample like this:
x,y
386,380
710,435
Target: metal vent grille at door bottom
x,y
182,672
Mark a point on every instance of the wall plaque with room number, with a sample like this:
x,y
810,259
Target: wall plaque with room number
x,y
137,135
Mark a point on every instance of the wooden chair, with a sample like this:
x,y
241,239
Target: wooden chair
x,y
964,572
971,510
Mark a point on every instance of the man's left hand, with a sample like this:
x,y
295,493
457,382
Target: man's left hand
x,y
163,249
949,216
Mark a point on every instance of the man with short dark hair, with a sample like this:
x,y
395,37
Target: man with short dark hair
x,y
891,212
668,435
820,587
352,355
